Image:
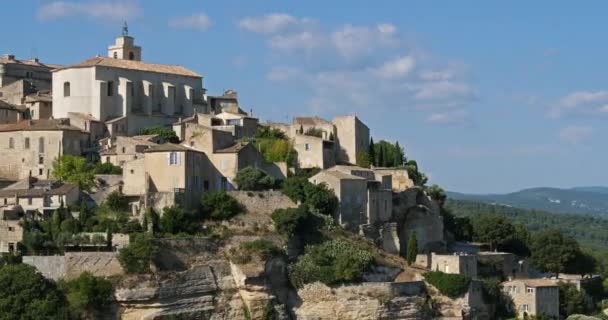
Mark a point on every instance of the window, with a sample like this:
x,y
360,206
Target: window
x,y
124,149
41,160
29,200
66,89
40,172
110,88
529,290
306,146
173,158
41,145
205,185
131,55
525,307
115,55
107,159
11,143
132,171
5,201
33,114
11,228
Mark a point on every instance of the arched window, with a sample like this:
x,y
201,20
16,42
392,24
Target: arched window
x,y
131,56
66,89
115,55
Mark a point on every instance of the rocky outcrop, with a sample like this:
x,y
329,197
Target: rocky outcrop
x,y
365,301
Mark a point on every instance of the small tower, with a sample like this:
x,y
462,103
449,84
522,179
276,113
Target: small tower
x,y
124,47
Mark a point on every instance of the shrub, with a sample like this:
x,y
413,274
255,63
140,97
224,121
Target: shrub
x,y
315,132
106,168
261,248
451,285
219,206
363,159
265,132
74,169
276,150
136,257
253,179
117,201
166,133
318,197
330,262
26,294
176,220
87,294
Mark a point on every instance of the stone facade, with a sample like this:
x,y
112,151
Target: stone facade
x,y
29,147
110,88
72,264
533,297
352,138
44,196
10,113
11,233
34,71
449,263
120,149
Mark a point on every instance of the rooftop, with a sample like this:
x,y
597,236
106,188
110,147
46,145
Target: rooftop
x,y
167,147
133,65
62,189
235,148
537,283
39,125
10,59
8,106
339,175
310,120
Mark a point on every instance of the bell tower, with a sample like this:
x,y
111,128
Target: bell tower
x,y
124,47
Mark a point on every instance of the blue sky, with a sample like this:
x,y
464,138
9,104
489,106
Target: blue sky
x,y
488,96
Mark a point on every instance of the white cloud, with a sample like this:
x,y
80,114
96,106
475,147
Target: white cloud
x,y
197,21
105,10
575,134
449,117
444,90
396,68
301,40
273,23
355,41
581,103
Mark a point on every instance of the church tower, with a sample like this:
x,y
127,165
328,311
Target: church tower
x,y
124,47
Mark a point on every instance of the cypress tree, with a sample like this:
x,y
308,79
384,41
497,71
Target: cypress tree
x,y
372,155
381,160
412,248
398,155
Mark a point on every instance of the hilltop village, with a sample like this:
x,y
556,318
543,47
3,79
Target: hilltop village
x,y
116,168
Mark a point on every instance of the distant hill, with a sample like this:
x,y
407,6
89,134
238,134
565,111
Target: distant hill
x,y
581,200
590,231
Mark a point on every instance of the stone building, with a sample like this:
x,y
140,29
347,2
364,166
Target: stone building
x,y
29,147
217,104
39,105
124,92
11,232
533,296
43,196
120,149
352,138
35,72
457,263
314,152
501,264
10,113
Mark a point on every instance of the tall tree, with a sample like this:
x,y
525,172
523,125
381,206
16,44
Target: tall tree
x,y
398,155
381,160
552,251
493,229
412,248
372,152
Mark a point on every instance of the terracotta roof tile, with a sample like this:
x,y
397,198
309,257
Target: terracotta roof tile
x,y
133,65
5,60
166,147
38,125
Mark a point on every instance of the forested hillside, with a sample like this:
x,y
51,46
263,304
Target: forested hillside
x,y
591,232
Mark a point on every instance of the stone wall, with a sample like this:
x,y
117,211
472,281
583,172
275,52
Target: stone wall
x,y
262,202
72,264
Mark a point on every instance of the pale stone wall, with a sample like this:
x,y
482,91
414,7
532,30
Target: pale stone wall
x,y
39,75
19,162
72,264
312,151
400,180
533,300
454,263
265,204
11,233
134,177
352,138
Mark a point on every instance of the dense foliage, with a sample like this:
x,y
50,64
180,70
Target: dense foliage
x,y
553,252
175,220
315,196
136,257
386,154
219,206
117,201
331,262
591,232
87,295
165,133
26,294
253,179
274,145
573,301
261,248
298,222
493,229
77,170
412,248
451,285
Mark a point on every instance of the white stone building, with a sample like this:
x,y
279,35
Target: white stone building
x,y
124,92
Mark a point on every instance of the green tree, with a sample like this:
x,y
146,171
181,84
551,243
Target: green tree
x,y
381,160
87,295
451,285
573,301
298,223
552,251
254,179
137,256
293,187
117,201
26,294
165,133
75,170
412,248
106,168
493,229
176,220
219,206
371,152
363,160
437,193
399,155
321,198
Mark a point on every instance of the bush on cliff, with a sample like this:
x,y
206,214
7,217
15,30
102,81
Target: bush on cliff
x,y
87,295
219,206
176,219
261,248
26,294
136,257
316,196
331,262
252,179
451,285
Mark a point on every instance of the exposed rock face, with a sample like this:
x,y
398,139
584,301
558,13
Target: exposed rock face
x,y
363,302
